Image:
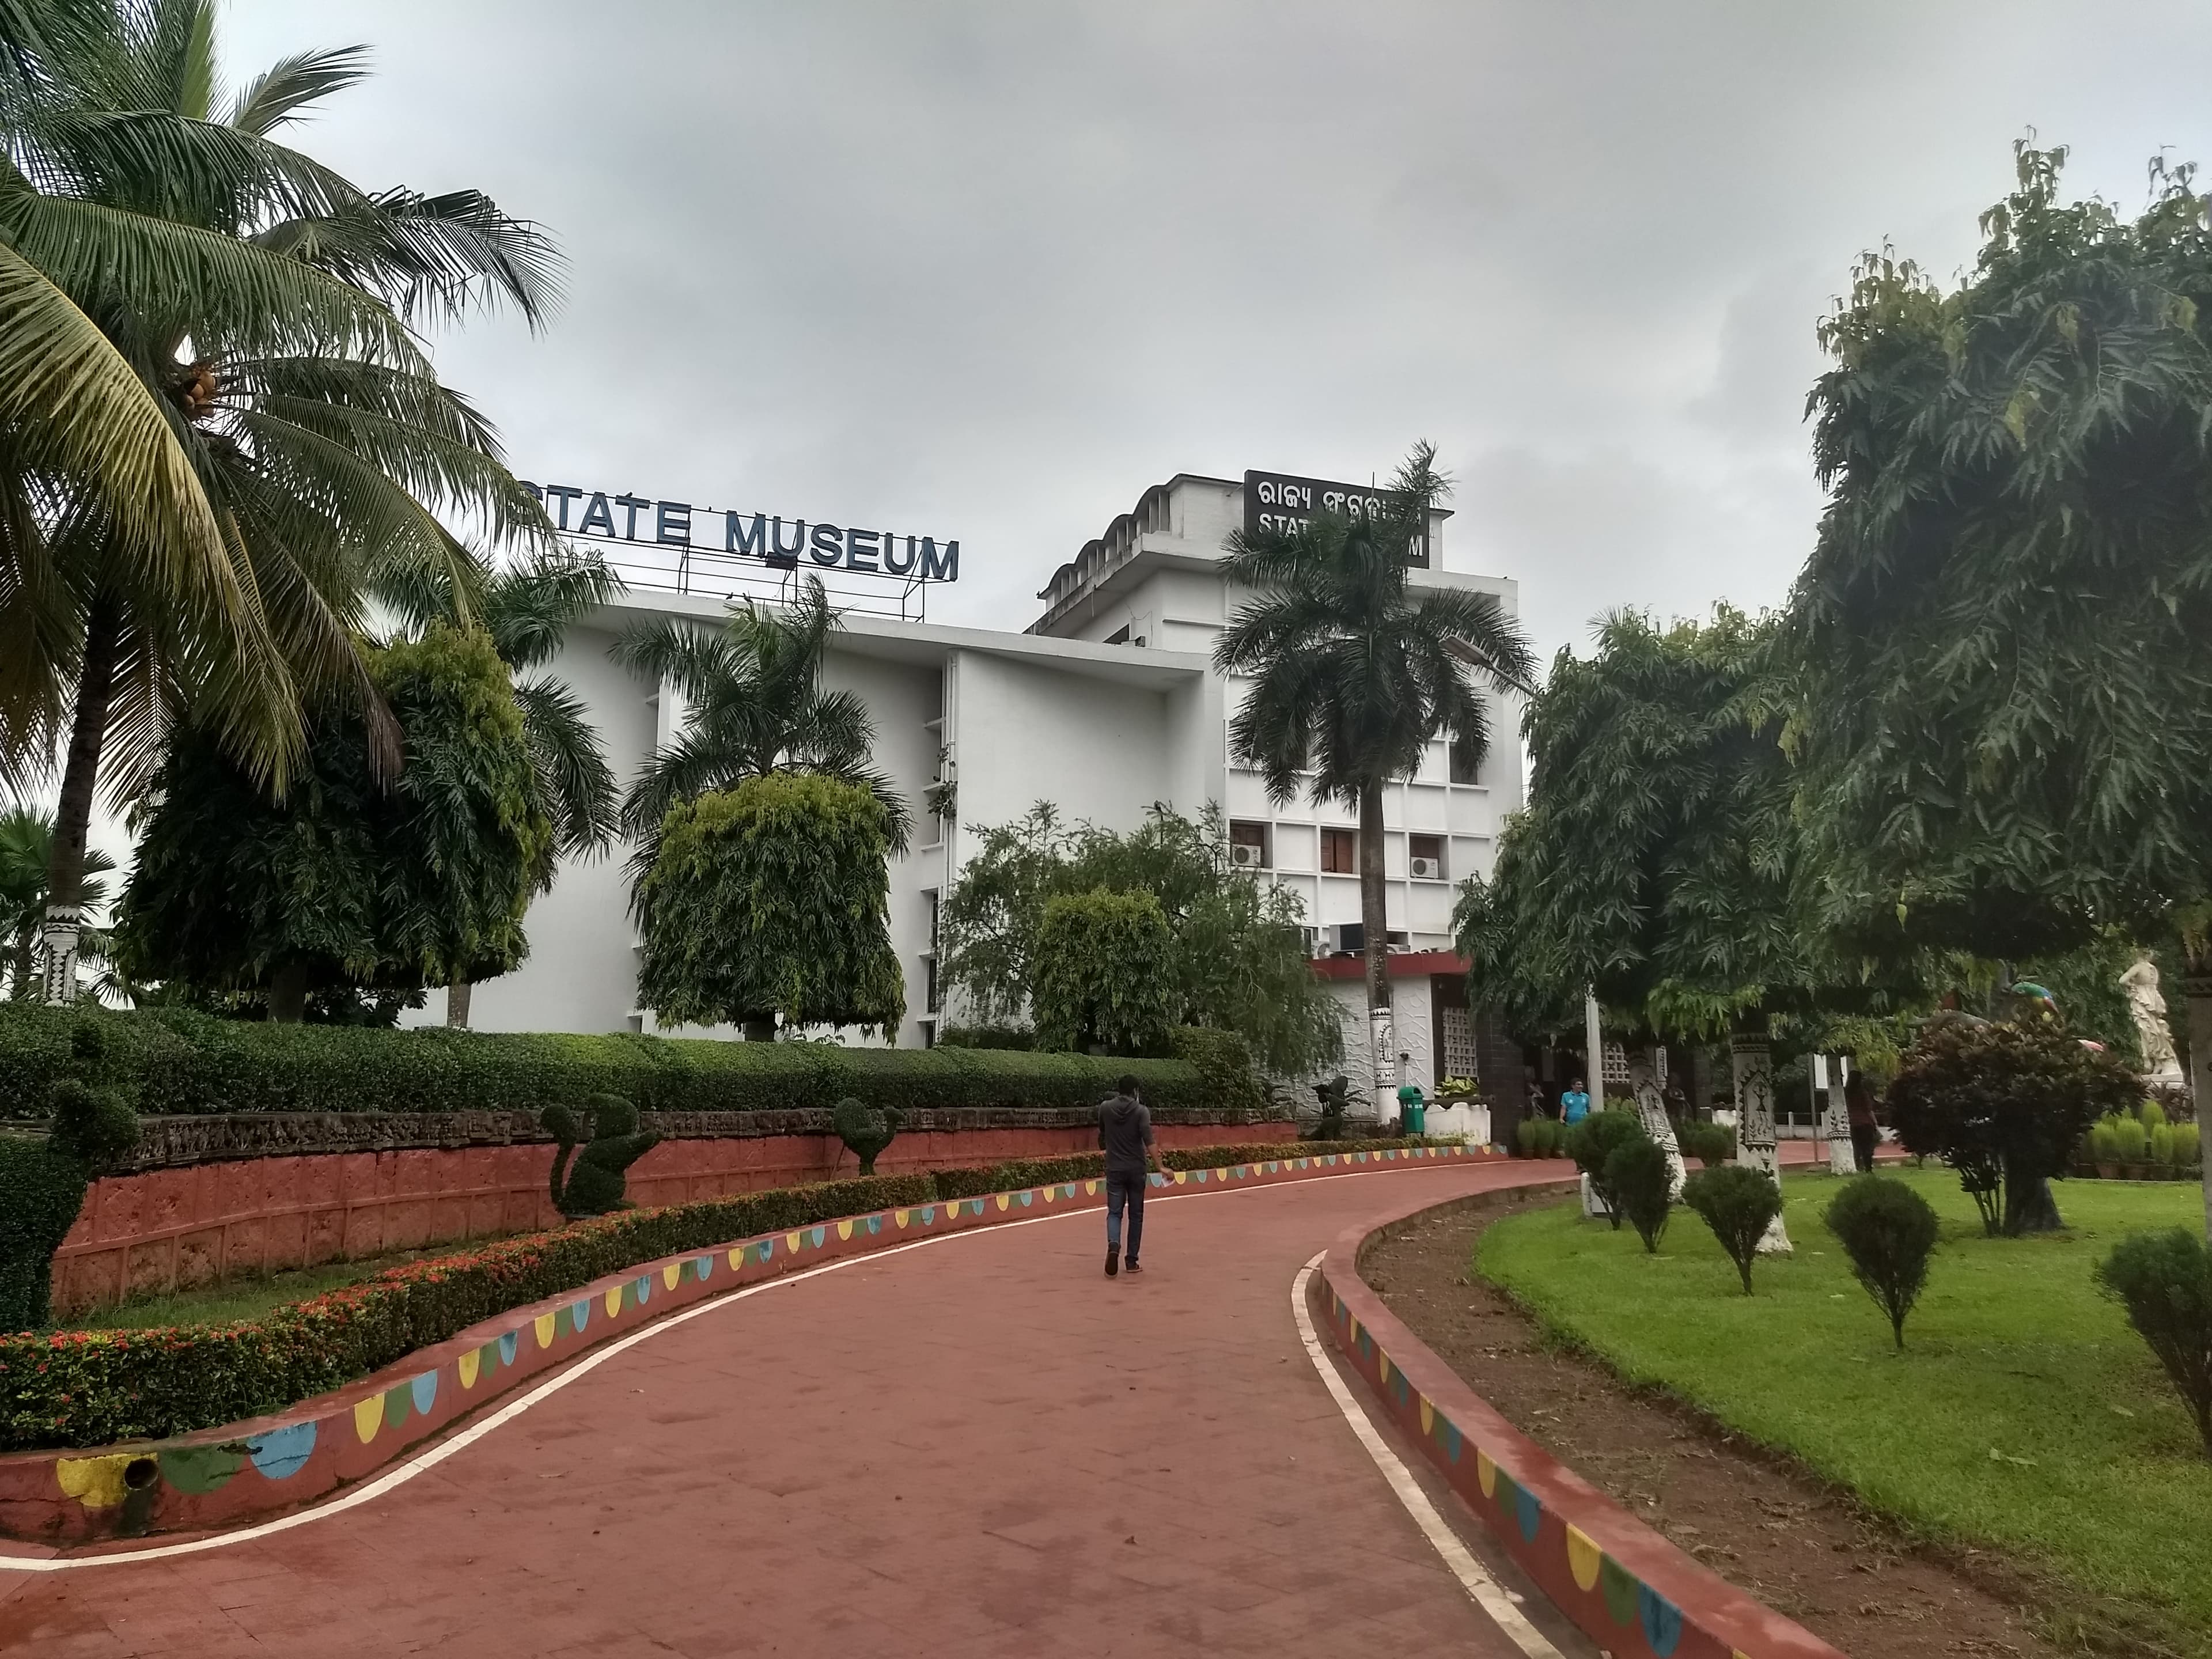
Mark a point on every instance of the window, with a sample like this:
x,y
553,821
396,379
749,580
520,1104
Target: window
x,y
1424,857
1119,636
1248,845
1339,852
1464,768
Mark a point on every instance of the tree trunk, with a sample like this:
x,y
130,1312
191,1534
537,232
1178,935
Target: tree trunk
x,y
1374,925
457,1004
1752,1061
1836,1122
2197,988
103,636
288,993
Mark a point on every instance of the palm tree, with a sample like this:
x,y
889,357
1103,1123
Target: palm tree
x,y
527,608
1354,670
216,421
756,705
26,841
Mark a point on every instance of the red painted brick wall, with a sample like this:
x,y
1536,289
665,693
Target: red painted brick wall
x,y
169,1228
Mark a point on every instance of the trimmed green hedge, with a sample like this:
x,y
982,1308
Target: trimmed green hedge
x,y
178,1060
1087,1166
95,1388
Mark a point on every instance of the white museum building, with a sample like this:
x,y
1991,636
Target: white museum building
x,y
1107,703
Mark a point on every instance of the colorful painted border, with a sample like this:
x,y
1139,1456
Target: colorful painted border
x,y
248,1471
1627,1586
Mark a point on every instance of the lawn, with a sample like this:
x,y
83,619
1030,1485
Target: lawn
x,y
238,1298
2024,1414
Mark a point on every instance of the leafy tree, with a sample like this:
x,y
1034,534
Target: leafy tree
x,y
1104,975
25,858
526,609
2006,733
1592,1143
772,897
2004,1105
1889,1232
1238,962
1658,861
219,420
1354,669
755,706
348,882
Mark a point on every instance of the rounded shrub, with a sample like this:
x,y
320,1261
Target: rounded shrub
x,y
1642,1182
2164,1279
1591,1142
1738,1204
2104,1142
2161,1143
2188,1145
2153,1116
2130,1138
1889,1232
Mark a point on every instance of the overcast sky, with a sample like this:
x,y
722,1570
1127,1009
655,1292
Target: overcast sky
x,y
989,270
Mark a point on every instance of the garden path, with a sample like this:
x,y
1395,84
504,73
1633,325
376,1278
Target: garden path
x,y
982,1447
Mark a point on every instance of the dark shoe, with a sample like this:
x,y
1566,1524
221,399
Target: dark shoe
x,y
1114,1261
1134,1267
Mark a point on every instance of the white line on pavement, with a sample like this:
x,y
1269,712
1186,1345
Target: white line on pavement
x,y
1482,1589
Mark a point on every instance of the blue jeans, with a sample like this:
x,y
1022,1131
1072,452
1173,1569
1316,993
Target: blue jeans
x,y
1124,1190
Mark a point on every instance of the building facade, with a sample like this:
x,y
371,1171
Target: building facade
x,y
1107,704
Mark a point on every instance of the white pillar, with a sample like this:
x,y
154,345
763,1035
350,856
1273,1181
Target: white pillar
x,y
1753,1062
1594,1041
1843,1156
1651,1112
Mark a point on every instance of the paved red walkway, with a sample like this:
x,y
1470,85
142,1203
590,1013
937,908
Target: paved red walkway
x,y
980,1448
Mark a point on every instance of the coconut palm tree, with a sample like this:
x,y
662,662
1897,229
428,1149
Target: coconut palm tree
x,y
26,840
756,704
1354,670
527,608
216,420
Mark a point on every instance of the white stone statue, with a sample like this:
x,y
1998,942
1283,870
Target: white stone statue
x,y
1752,1061
2160,1064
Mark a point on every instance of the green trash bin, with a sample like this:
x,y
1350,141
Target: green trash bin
x,y
1413,1111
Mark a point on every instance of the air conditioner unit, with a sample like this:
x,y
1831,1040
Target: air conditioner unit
x,y
1244,856
1426,869
1351,938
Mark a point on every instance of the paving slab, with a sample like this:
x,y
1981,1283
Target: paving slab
x,y
980,1447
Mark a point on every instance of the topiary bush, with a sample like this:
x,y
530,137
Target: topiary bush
x,y
2104,1142
1591,1142
1738,1203
1889,1232
1335,1098
1710,1144
2188,1145
600,1179
43,1181
2160,1146
866,1130
1642,1181
2130,1140
2164,1281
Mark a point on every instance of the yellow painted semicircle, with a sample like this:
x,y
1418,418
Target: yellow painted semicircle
x,y
1428,1416
1485,1473
899,1215
470,1363
368,1418
670,1273
1004,1198
791,1243
1582,1557
737,1259
544,1326
614,1302
97,1482
844,1230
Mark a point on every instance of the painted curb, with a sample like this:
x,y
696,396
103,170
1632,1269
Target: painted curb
x,y
1623,1585
215,1478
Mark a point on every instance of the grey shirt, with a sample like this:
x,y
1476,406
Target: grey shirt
x,y
1125,1130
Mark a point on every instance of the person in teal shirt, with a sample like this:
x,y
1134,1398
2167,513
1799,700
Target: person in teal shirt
x,y
1574,1105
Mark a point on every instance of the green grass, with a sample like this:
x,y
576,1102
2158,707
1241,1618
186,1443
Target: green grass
x,y
2024,1414
242,1298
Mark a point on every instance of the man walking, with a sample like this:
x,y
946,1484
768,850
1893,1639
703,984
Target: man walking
x,y
1125,1131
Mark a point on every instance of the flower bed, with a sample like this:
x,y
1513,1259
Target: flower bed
x,y
94,1387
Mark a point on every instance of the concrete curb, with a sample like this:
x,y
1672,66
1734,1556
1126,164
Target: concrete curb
x,y
1627,1588
215,1480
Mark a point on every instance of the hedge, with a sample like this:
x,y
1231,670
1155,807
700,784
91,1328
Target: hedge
x,y
94,1387
1087,1166
179,1061
69,1388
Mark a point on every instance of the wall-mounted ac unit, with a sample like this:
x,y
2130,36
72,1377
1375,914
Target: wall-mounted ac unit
x,y
1426,869
1244,856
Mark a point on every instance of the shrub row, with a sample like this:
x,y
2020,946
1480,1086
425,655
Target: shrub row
x,y
178,1060
1085,1166
67,1388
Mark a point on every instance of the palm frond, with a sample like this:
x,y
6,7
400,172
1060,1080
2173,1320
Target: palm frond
x,y
283,91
